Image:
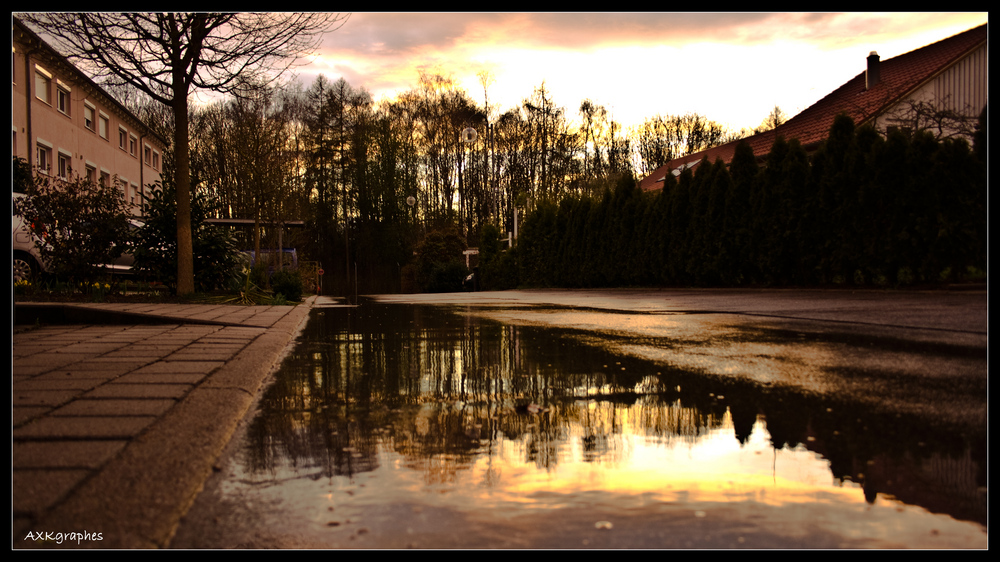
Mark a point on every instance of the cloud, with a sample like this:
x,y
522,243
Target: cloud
x,y
681,61
400,33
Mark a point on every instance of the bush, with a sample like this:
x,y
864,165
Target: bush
x,y
83,225
288,283
448,277
217,261
440,264
497,266
22,180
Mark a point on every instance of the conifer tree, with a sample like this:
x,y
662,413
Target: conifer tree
x,y
795,172
739,213
680,228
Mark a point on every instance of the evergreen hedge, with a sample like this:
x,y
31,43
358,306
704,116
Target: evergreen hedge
x,y
863,209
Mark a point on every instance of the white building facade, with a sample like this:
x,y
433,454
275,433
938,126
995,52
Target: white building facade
x,y
948,103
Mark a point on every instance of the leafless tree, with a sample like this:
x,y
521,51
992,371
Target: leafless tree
x,y
939,116
170,55
773,120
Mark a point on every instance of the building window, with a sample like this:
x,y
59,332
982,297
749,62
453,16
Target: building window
x,y
43,83
91,174
62,100
102,126
122,139
88,117
43,158
132,142
64,167
151,157
105,178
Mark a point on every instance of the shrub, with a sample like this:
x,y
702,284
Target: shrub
x,y
497,266
440,265
83,225
288,283
217,260
22,179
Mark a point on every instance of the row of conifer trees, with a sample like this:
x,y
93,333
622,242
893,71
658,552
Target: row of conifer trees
x,y
865,209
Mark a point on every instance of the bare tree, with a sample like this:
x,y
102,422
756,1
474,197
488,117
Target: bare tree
x,y
773,120
169,55
940,117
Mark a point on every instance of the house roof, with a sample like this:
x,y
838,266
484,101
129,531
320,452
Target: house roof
x,y
899,76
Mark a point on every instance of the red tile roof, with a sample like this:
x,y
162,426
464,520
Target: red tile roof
x,y
899,76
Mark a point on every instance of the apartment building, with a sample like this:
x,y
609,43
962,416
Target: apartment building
x,y
65,125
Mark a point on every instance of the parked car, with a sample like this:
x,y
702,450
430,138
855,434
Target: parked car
x,y
27,259
28,262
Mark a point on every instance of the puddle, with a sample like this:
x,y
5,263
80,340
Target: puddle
x,y
397,426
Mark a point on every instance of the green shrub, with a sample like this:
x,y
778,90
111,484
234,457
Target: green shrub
x,y
497,266
217,261
440,263
257,274
287,282
83,224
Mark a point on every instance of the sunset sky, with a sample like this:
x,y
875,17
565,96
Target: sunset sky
x,y
731,68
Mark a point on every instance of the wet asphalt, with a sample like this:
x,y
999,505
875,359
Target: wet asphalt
x,y
119,419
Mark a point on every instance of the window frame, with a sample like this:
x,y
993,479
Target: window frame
x,y
43,157
64,164
89,113
63,98
103,126
134,194
43,84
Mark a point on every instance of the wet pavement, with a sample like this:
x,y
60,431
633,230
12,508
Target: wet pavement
x,y
120,410
616,419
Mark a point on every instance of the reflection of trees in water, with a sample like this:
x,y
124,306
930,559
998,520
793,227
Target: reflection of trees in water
x,y
434,386
442,390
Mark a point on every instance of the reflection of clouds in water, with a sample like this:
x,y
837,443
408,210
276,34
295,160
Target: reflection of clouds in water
x,y
704,343
712,476
798,367
429,414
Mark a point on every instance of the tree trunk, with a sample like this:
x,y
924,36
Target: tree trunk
x,y
185,246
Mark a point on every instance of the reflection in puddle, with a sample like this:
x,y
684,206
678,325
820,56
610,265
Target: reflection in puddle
x,y
395,426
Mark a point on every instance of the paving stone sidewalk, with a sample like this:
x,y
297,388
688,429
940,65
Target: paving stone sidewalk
x,y
119,416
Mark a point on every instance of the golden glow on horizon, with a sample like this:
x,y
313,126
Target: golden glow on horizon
x,y
687,63
713,468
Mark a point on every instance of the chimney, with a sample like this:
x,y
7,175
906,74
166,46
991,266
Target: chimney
x,y
871,76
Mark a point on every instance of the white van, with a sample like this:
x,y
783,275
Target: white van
x,y
27,260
